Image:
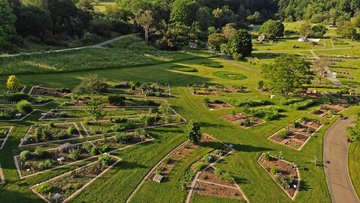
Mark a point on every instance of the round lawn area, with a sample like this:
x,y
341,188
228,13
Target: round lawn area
x,y
184,68
212,65
230,75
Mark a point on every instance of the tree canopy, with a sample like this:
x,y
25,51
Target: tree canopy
x,y
288,75
273,29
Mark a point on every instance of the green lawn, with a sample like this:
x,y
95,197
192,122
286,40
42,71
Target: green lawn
x,y
354,165
129,60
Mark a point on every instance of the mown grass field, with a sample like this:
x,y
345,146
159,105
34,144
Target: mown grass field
x,y
130,60
354,165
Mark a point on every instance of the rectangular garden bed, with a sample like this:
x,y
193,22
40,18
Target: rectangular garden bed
x,y
11,114
202,89
209,184
34,163
65,187
217,104
296,135
50,133
328,111
5,132
285,174
245,121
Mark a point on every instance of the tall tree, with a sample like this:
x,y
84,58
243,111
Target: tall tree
x,y
305,29
319,68
7,20
12,83
145,20
288,75
184,11
95,109
193,132
241,43
204,17
272,29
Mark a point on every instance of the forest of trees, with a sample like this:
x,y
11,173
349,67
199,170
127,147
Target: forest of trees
x,y
168,24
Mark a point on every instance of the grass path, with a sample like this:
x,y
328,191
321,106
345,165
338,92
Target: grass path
x,y
99,45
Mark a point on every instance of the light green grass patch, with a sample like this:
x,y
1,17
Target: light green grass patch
x,y
230,75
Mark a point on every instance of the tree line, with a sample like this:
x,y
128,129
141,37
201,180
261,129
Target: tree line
x,y
168,24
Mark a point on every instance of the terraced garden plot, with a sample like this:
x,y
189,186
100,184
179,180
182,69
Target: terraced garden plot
x,y
296,135
209,184
65,187
50,133
285,174
46,91
11,114
328,111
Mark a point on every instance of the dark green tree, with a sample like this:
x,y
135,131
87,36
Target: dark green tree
x,y
288,75
184,11
318,31
193,132
7,20
216,40
272,29
204,17
241,43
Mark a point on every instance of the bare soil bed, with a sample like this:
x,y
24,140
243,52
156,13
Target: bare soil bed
x,y
217,104
243,120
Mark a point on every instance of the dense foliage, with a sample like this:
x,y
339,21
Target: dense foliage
x,y
288,74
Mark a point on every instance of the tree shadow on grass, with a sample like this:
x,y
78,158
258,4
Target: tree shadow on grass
x,y
211,125
304,186
250,148
124,165
239,180
267,55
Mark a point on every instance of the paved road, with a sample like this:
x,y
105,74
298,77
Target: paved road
x,y
100,45
335,158
327,69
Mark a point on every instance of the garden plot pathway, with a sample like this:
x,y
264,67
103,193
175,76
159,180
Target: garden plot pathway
x,y
330,77
100,45
335,157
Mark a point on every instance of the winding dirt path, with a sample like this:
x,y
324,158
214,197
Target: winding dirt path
x,y
336,163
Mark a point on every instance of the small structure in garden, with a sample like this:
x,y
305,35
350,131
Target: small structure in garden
x,y
193,45
296,135
285,174
158,178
